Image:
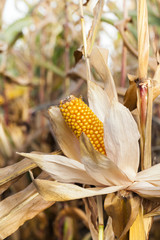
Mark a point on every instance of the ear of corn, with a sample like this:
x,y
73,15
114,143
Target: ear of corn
x,y
80,118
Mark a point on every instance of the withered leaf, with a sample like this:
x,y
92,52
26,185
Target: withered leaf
x,y
20,207
9,173
97,12
123,208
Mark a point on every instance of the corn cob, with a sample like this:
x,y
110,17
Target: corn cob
x,y
80,118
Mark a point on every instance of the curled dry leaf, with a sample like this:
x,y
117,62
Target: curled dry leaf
x,y
20,80
123,208
108,232
153,212
9,173
130,97
79,71
97,13
5,146
20,207
91,212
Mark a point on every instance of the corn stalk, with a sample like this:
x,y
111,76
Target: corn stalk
x,y
144,106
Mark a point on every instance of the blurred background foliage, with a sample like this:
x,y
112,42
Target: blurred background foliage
x,y
37,69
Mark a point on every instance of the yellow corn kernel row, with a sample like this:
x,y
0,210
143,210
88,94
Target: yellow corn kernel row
x,y
80,118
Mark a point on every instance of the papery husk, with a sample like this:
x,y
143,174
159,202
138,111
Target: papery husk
x,y
11,173
68,142
56,191
20,207
137,231
101,168
98,59
123,208
61,168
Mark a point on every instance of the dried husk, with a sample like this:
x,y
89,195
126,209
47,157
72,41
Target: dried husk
x,y
98,59
123,208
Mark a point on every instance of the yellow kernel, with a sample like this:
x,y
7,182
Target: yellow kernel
x,y
80,118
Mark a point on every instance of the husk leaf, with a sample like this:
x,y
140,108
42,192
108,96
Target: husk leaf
x,y
123,208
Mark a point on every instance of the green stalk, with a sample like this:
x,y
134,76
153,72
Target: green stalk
x,y
100,218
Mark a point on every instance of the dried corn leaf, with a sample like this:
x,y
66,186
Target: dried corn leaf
x,y
108,232
143,39
97,12
79,71
154,212
123,208
20,207
61,168
98,60
20,80
56,191
5,146
130,98
91,212
9,173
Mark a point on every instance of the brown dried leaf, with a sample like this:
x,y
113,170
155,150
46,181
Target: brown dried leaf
x,y
143,39
97,13
130,97
108,232
91,212
153,212
123,208
5,146
9,173
20,207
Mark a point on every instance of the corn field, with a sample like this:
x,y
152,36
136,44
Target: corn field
x,y
80,120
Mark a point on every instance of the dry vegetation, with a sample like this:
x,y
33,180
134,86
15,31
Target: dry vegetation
x,y
41,63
